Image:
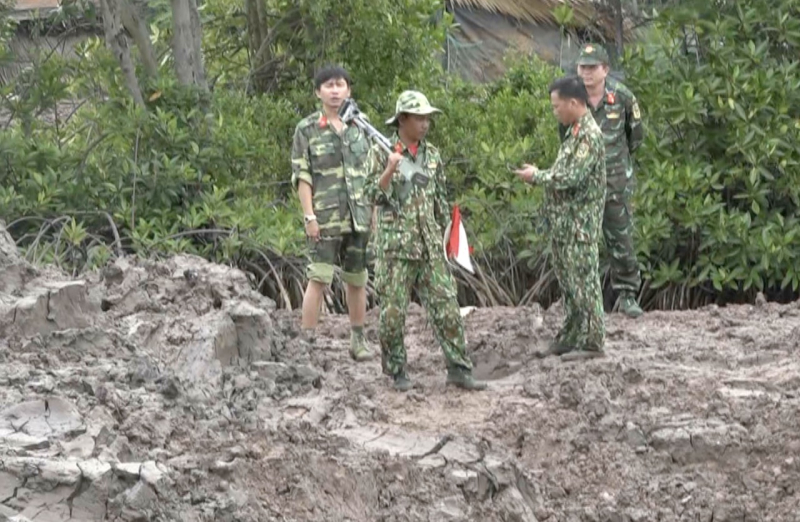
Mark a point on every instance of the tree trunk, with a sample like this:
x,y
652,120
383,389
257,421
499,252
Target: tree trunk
x,y
258,36
187,44
256,30
135,22
182,42
197,46
264,64
118,43
618,25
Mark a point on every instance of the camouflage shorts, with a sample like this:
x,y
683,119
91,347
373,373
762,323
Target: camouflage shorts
x,y
348,251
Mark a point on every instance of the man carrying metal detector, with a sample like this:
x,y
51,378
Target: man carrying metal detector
x,y
407,183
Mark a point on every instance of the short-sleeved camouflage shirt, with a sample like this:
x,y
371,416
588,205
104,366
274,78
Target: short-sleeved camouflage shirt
x,y
335,165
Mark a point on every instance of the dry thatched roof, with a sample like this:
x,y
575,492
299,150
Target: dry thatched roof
x,y
539,11
586,12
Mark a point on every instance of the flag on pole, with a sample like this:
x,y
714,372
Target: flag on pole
x,y
456,246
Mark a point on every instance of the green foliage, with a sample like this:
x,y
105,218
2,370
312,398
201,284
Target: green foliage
x,y
381,42
168,178
720,183
484,133
717,201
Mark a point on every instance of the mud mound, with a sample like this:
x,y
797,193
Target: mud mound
x,y
170,391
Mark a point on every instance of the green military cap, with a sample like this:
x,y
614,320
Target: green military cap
x,y
412,102
592,54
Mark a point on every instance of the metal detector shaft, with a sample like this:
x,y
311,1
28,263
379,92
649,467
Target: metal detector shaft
x,y
349,112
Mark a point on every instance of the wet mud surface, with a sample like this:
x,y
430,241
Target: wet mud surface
x,y
171,391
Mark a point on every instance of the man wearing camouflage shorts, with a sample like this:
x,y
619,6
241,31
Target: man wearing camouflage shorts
x,y
329,171
411,220
616,110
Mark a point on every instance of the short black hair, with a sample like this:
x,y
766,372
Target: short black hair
x,y
570,87
331,72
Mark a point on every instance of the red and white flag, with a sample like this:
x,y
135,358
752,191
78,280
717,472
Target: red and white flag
x,y
456,247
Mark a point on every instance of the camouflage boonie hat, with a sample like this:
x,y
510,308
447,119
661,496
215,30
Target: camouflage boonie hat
x,y
412,102
592,54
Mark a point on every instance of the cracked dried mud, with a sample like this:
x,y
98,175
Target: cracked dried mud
x,y
170,391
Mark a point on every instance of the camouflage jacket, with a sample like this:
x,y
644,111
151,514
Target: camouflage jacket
x,y
621,121
410,221
575,186
335,165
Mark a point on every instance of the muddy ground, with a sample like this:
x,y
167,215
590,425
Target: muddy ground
x,y
171,391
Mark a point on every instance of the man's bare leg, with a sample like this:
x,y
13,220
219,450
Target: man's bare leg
x,y
312,302
357,310
356,304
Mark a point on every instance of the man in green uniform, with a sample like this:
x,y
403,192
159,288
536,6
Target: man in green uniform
x,y
575,190
329,171
616,110
411,220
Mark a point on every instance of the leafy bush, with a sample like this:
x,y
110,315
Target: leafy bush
x,y
484,130
719,179
171,177
717,198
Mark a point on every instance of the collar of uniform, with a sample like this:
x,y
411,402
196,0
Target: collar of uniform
x,y
322,122
610,96
582,122
586,119
401,147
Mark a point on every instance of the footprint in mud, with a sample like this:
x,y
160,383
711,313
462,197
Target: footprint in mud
x,y
493,366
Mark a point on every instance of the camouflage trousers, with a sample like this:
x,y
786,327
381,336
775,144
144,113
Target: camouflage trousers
x,y
618,235
394,279
576,265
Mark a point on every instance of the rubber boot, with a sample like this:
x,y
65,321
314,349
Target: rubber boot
x,y
358,347
629,306
556,348
402,382
463,379
308,336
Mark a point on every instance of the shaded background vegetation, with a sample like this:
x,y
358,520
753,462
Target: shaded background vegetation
x,y
198,161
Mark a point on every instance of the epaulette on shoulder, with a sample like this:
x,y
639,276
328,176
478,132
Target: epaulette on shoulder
x,y
620,89
432,149
310,120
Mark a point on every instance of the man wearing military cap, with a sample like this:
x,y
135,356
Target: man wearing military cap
x,y
616,111
411,219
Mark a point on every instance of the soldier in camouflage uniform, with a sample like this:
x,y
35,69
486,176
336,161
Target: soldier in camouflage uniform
x,y
616,110
410,226
575,190
329,171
